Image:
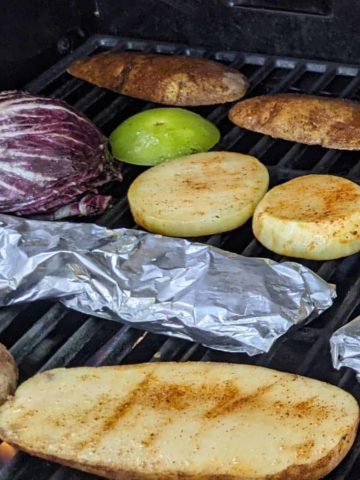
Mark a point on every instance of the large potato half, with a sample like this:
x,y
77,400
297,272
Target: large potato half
x,y
185,420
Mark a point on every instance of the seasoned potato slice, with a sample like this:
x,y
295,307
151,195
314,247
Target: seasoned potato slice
x,y
315,217
199,194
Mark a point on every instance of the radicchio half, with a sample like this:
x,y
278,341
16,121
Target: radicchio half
x,y
50,156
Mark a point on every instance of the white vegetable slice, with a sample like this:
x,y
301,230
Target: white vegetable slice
x,y
315,217
199,194
186,420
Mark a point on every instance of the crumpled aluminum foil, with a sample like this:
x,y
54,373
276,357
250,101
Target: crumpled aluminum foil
x,y
164,285
345,346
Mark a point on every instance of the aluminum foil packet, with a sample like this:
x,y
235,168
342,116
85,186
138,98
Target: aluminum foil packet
x,y
164,285
345,346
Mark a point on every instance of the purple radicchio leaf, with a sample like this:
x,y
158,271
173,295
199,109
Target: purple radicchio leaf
x,y
50,156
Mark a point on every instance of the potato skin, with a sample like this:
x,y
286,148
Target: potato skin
x,y
170,80
309,119
8,374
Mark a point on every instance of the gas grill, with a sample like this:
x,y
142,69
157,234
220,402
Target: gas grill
x,y
46,335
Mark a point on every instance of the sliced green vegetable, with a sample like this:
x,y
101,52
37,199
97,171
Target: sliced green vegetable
x,y
156,135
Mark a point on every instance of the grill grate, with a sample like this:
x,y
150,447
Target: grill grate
x,y
48,335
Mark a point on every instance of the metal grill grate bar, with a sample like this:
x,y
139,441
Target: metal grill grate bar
x,y
38,332
74,344
7,315
339,318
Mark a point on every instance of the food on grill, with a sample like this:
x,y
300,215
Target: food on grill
x,y
153,136
171,80
8,374
50,157
330,122
200,194
314,217
188,420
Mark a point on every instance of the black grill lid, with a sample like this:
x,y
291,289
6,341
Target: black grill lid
x,y
46,335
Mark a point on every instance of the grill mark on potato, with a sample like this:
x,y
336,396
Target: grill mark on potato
x,y
310,409
230,400
151,438
106,414
303,450
122,408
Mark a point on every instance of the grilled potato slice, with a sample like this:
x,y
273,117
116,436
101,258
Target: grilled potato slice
x,y
171,80
8,374
315,217
183,420
330,122
199,194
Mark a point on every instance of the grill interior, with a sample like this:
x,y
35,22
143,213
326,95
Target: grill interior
x,y
47,335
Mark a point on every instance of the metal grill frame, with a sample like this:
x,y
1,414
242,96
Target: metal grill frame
x,y
47,335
